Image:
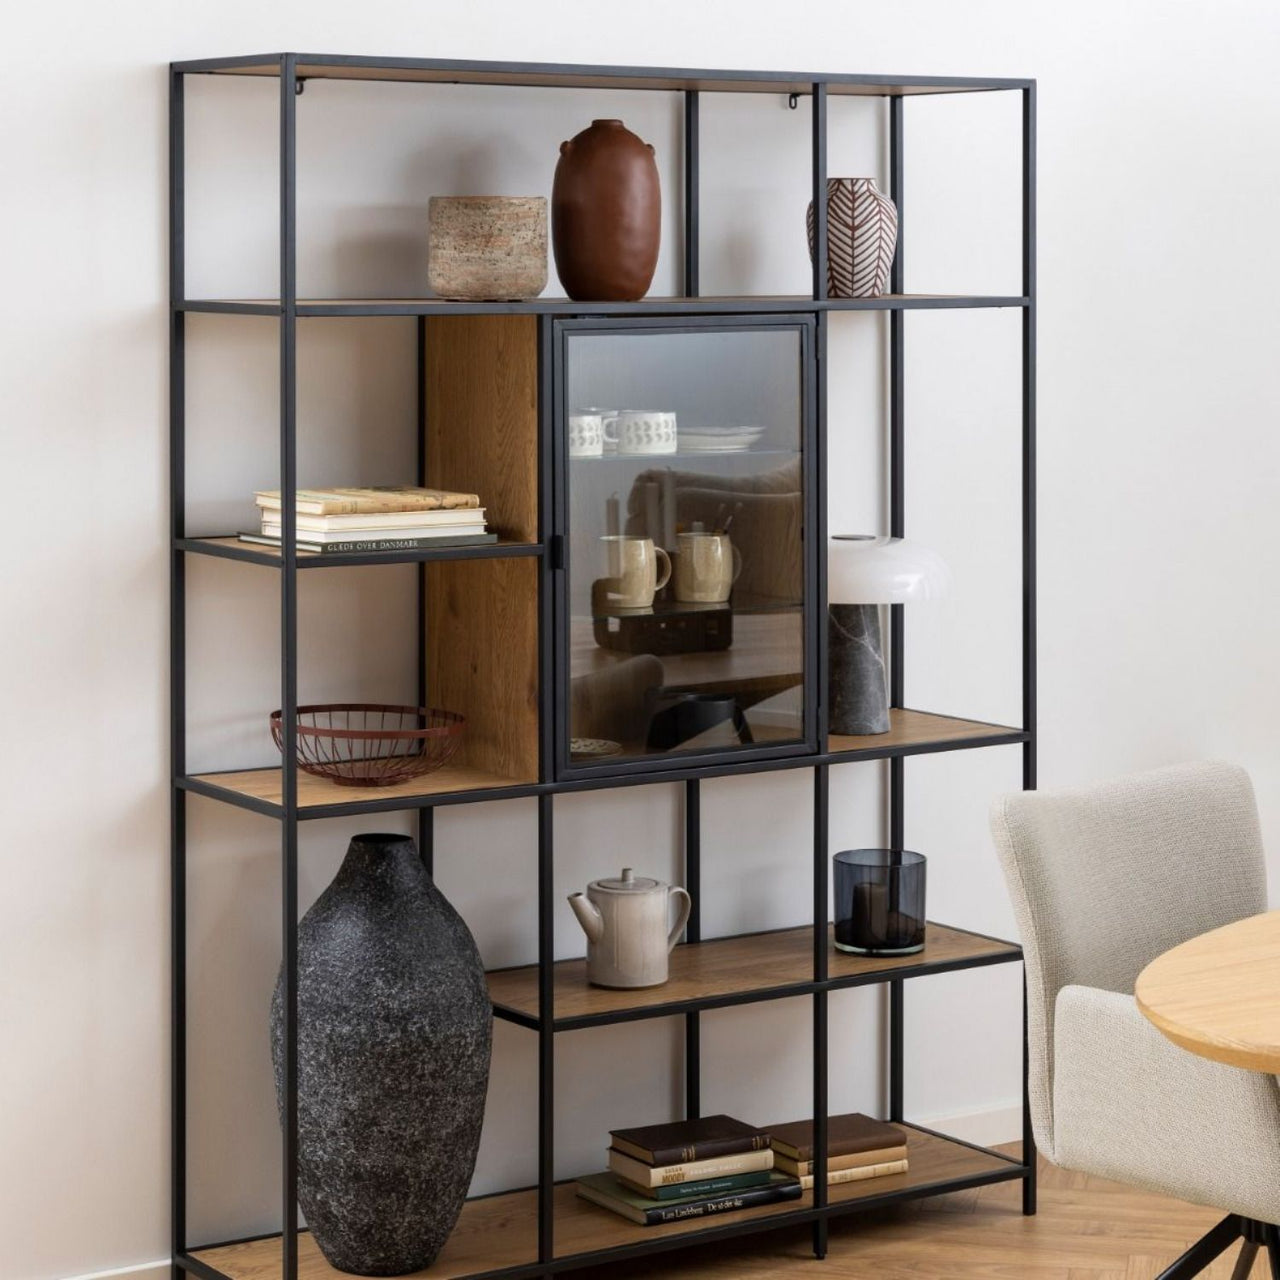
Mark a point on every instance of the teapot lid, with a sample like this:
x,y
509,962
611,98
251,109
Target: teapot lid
x,y
627,882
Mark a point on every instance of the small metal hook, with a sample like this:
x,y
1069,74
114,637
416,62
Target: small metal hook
x,y
298,86
793,100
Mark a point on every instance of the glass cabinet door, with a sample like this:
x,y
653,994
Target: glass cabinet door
x,y
685,472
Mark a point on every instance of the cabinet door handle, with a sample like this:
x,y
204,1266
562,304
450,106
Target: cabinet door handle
x,y
557,551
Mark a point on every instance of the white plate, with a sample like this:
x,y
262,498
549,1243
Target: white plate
x,y
719,439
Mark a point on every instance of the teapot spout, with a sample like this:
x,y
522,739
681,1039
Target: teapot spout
x,y
589,916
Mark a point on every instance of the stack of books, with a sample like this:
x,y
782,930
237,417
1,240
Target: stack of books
x,y
386,519
858,1147
689,1169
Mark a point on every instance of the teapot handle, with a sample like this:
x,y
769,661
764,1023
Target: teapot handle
x,y
682,915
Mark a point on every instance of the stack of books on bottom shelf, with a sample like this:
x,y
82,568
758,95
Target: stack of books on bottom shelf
x,y
690,1169
389,519
858,1147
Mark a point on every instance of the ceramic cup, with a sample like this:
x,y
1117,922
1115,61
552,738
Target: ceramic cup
x,y
605,415
586,434
641,431
706,567
633,575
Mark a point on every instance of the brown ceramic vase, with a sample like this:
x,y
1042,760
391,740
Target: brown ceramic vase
x,y
606,214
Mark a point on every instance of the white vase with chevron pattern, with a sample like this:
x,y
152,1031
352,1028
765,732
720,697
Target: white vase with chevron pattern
x,y
862,233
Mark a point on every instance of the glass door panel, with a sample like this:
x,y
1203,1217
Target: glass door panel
x,y
685,502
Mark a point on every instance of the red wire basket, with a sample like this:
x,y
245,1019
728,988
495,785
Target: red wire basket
x,y
371,744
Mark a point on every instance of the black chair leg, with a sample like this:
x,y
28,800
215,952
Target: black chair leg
x,y
1244,1263
1208,1247
1273,1251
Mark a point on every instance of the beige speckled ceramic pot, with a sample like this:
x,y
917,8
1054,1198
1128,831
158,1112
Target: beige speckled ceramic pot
x,y
487,248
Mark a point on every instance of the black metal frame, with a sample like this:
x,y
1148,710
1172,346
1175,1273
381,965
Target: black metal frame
x,y
666,315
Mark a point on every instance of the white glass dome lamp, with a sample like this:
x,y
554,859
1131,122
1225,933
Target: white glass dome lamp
x,y
864,572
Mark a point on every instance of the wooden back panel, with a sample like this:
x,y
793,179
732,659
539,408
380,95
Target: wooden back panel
x,y
482,415
482,659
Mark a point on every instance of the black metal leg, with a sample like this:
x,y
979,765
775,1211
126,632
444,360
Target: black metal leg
x,y
820,1238
693,934
1273,1251
821,915
1208,1247
546,1033
1244,1263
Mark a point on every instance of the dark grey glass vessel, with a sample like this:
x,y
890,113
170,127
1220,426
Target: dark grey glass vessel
x,y
879,906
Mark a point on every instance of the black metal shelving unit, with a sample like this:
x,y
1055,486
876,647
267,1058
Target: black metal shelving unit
x,y
807,965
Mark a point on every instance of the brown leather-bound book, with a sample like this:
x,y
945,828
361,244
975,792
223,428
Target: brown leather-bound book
x,y
835,1164
685,1141
846,1135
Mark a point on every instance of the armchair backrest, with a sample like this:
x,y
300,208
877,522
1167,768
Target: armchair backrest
x,y
1104,878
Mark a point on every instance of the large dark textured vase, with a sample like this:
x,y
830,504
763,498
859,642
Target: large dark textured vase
x,y
394,1034
606,214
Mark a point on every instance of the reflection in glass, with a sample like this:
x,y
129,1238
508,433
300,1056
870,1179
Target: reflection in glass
x,y
685,522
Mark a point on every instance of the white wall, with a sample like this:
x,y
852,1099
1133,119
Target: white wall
x,y
1159,180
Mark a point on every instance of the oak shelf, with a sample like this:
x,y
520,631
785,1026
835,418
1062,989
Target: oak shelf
x,y
262,790
500,1232
736,970
319,66
701,305
229,547
922,731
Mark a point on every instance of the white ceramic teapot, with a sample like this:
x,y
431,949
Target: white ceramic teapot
x,y
625,920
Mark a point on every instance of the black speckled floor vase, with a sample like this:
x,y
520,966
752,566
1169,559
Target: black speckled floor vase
x,y
855,658
394,1034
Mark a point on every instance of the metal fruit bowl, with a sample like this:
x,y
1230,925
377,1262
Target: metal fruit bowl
x,y
371,744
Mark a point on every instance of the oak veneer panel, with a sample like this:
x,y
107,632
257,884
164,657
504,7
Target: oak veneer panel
x,y
482,660
651,303
501,1231
1218,995
265,784
722,967
917,728
493,1232
582,1226
482,415
656,81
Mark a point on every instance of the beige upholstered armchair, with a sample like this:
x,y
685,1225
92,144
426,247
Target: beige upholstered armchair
x,y
1103,879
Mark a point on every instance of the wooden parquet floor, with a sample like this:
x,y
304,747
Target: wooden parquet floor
x,y
1085,1229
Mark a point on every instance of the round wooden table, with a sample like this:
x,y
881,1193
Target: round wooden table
x,y
1218,995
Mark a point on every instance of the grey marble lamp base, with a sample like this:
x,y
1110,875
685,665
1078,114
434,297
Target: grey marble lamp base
x,y
855,658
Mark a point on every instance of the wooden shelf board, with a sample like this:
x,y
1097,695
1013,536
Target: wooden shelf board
x,y
565,306
501,1231
312,66
583,1227
724,968
265,785
231,547
910,731
909,728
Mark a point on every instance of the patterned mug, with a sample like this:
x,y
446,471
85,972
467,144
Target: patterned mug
x,y
586,435
641,431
